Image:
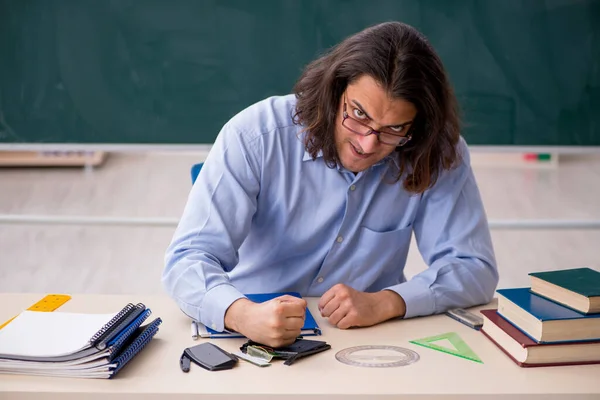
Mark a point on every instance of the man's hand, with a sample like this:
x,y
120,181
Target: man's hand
x,y
345,307
274,323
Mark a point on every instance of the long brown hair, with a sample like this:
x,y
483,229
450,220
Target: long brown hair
x,y
401,59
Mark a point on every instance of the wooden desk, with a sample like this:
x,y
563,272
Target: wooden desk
x,y
155,372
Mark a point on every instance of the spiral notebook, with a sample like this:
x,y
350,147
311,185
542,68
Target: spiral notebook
x,y
75,345
105,367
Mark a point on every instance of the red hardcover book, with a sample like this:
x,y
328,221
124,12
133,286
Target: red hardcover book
x,y
528,353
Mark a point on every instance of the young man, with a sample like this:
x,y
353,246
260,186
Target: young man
x,y
320,191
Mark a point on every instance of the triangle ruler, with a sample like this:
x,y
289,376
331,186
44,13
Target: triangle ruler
x,y
461,349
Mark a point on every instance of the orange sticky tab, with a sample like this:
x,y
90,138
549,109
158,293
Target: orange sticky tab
x,y
49,303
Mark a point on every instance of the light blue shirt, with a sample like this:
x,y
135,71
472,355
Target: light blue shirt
x,y
263,216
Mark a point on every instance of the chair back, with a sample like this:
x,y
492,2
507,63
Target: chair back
x,y
195,171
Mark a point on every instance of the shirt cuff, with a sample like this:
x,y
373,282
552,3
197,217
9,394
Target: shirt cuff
x,y
215,304
418,298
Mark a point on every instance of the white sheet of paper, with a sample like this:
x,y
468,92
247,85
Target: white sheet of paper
x,y
50,334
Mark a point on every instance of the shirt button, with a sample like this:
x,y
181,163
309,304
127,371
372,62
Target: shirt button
x,y
339,239
214,327
353,187
320,280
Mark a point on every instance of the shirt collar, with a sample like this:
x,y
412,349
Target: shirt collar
x,y
307,156
392,158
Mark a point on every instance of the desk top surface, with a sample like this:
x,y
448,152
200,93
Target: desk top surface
x,y
155,371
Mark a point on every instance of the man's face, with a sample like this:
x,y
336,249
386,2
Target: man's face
x,y
367,102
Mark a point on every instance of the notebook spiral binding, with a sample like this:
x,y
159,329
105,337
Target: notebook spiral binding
x,y
138,344
110,324
116,346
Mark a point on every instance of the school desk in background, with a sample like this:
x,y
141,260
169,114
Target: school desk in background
x,y
63,344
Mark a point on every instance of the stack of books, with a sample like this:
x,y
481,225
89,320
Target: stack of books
x,y
65,344
556,321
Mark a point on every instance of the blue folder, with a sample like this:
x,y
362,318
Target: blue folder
x,y
310,327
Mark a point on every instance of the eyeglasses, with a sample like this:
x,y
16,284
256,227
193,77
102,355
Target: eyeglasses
x,y
384,136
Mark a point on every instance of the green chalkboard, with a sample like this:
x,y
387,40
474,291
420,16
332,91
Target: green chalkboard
x,y
527,72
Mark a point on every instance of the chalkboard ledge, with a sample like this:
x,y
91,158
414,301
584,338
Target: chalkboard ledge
x,y
51,158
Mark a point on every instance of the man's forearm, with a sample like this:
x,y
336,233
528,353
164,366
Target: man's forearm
x,y
234,314
392,305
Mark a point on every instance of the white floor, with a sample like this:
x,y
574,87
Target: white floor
x,y
79,258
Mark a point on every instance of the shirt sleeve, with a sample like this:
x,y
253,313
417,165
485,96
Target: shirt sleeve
x,y
452,234
215,221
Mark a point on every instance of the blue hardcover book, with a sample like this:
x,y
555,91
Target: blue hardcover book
x,y
310,327
544,320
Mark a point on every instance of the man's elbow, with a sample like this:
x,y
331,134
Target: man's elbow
x,y
478,283
487,280
167,281
169,273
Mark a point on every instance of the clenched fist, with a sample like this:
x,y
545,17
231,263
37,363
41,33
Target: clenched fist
x,y
345,307
274,323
